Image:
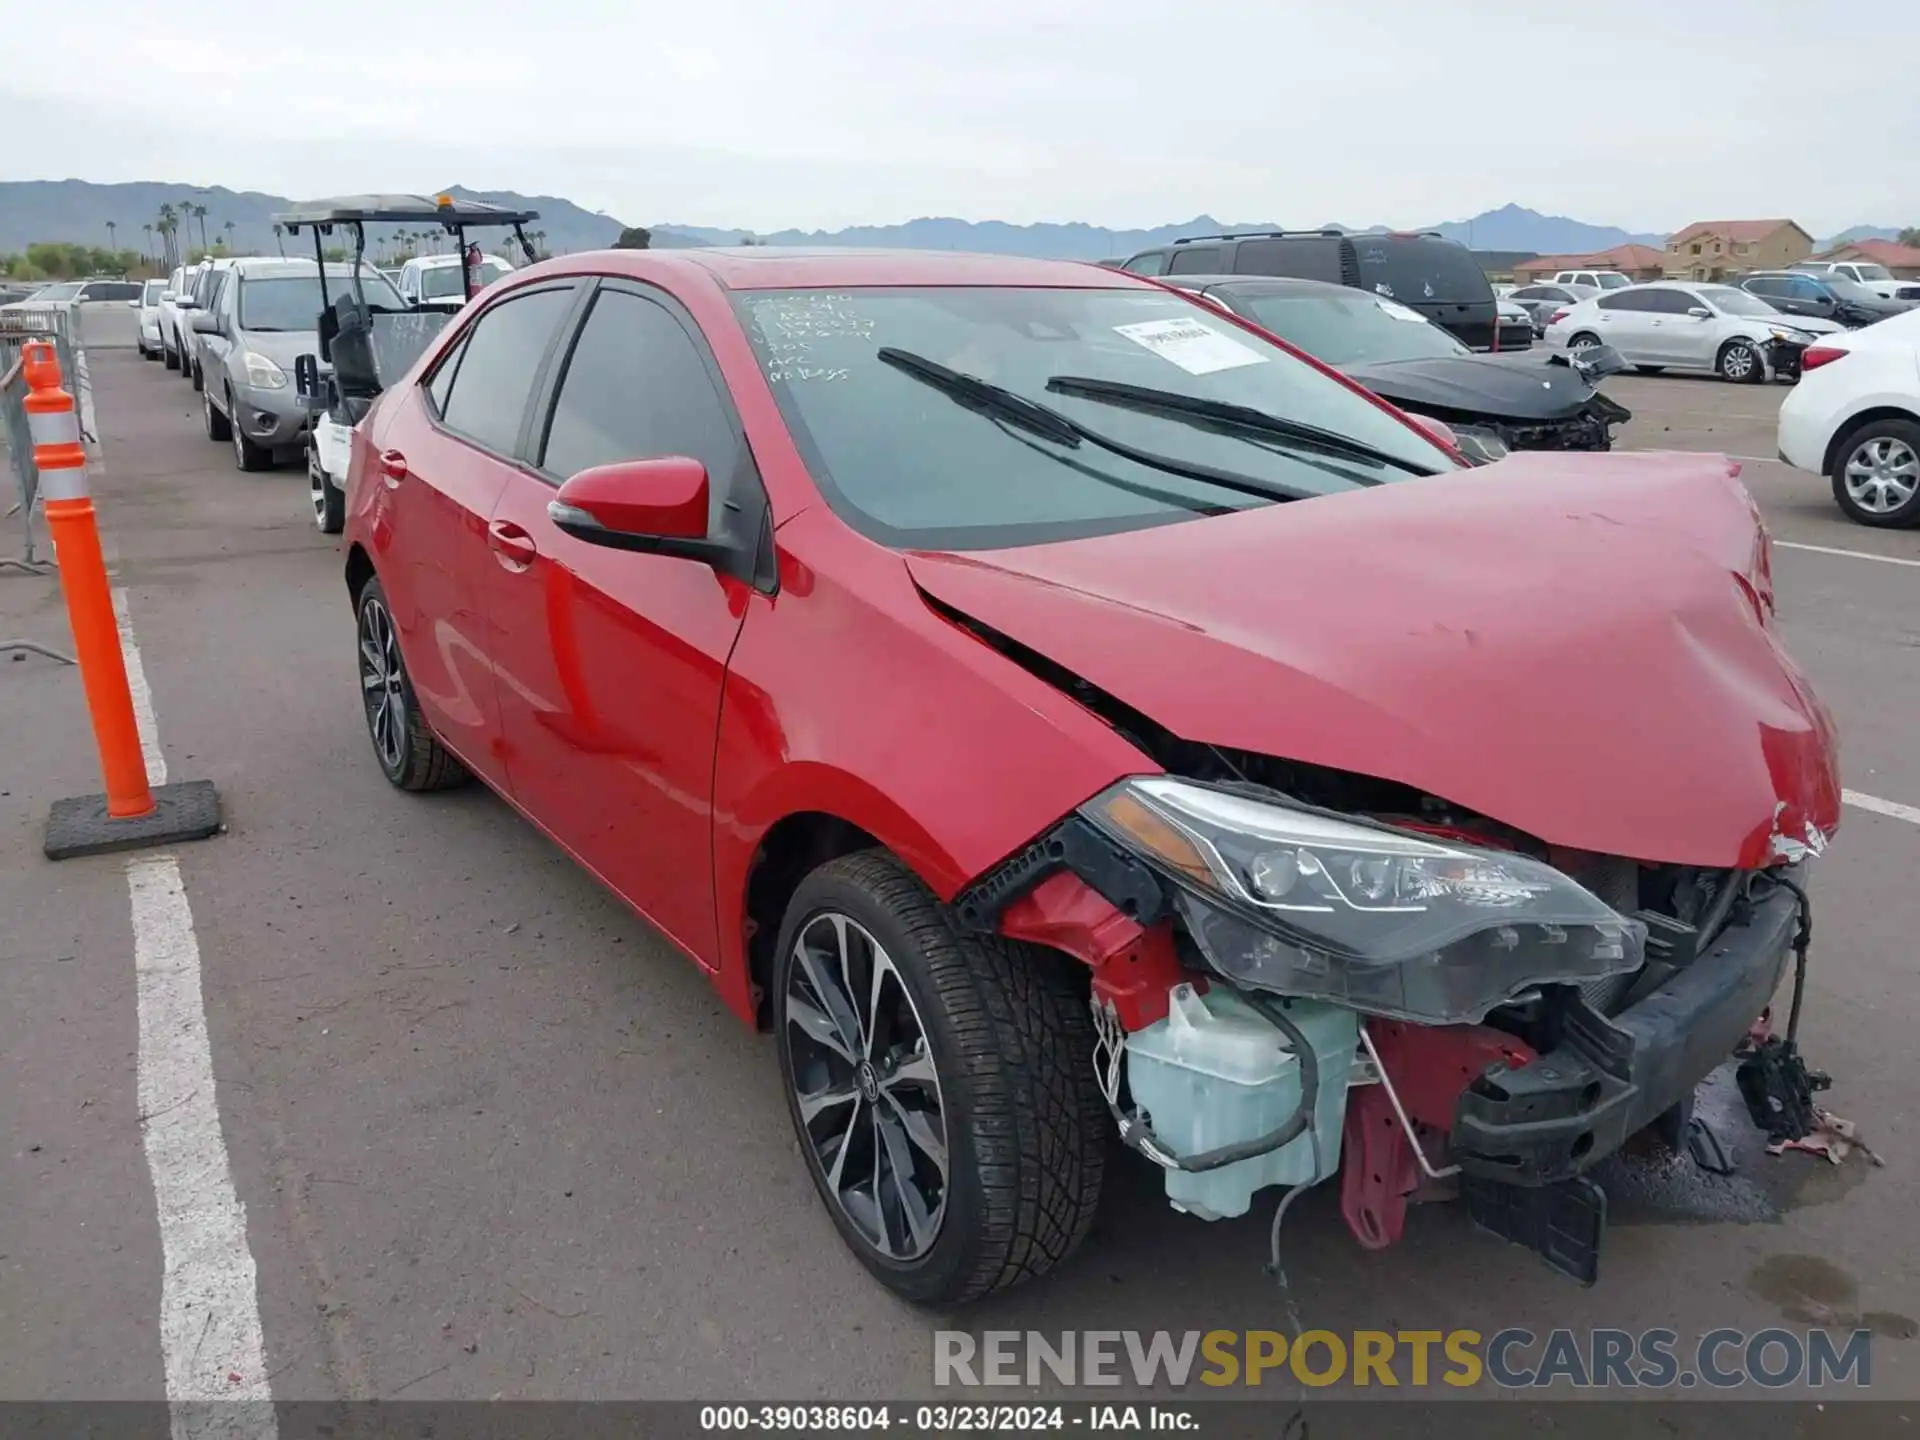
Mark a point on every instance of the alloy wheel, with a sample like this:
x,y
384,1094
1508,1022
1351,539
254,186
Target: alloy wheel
x,y
1882,474
1738,363
239,440
1582,342
868,1093
382,684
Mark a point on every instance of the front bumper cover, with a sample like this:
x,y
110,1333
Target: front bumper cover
x,y
1783,358
1611,1077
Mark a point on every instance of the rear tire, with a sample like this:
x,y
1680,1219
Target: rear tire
x,y
1876,474
1585,340
199,380
169,358
410,754
998,1079
1649,369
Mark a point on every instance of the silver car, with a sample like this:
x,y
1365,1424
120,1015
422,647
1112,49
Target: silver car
x,y
262,318
1542,302
1685,325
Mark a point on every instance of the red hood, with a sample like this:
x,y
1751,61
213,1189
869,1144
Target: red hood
x,y
1568,644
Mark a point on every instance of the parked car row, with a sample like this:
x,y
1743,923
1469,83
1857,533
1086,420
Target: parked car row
x,y
1680,325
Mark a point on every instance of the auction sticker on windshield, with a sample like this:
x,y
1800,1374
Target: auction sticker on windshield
x,y
1197,349
1399,311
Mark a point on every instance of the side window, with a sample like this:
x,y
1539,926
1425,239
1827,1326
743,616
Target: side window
x,y
1770,285
498,362
637,388
442,380
1677,302
1195,260
1154,262
1806,290
1626,300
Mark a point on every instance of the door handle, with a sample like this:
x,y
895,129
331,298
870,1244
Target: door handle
x,y
393,468
511,546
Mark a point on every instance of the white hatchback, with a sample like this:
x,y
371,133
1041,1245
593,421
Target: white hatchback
x,y
1855,418
1673,325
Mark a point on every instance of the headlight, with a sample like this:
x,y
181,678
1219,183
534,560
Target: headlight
x,y
1303,902
262,373
1480,444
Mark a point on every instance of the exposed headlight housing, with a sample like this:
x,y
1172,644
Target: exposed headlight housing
x,y
1304,902
262,373
1480,444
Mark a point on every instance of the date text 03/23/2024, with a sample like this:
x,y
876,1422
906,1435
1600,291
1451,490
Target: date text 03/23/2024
x,y
945,1419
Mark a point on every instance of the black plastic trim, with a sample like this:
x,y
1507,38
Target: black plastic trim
x,y
1127,884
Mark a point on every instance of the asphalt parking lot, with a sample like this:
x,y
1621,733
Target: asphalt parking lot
x,y
491,1139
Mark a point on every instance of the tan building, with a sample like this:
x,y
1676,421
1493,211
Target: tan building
x,y
1636,262
1719,249
1902,260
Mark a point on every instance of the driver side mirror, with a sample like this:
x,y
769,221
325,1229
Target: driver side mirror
x,y
167,297
133,304
655,507
1700,312
205,322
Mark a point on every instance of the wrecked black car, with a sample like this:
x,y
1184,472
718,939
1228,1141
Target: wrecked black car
x,y
1492,403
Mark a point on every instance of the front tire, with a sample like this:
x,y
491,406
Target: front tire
x,y
170,358
246,455
199,379
410,754
941,1085
1649,369
1740,364
329,502
1876,474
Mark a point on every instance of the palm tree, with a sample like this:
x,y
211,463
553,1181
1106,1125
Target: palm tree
x,y
166,226
146,246
279,243
112,243
200,214
228,227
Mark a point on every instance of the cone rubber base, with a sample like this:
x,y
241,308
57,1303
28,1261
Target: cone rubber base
x,y
80,826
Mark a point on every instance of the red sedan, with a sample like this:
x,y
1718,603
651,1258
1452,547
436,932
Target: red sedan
x,y
1058,710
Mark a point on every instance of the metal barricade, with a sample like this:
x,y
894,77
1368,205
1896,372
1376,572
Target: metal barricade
x,y
16,328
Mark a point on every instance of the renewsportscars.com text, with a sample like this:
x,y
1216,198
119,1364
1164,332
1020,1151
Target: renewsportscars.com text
x,y
1516,1359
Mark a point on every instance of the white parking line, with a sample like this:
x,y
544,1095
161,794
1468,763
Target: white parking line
x,y
1847,554
1893,808
212,1347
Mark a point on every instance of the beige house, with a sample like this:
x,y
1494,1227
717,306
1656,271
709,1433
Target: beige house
x,y
1719,249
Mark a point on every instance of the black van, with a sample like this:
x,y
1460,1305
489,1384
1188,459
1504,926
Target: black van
x,y
1434,275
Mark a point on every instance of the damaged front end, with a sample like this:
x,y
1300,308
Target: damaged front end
x,y
1445,1004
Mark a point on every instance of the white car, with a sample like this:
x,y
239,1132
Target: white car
x,y
147,336
435,279
173,325
1877,278
1855,418
1594,279
1675,325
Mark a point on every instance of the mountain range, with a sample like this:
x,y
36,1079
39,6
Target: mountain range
x,y
79,211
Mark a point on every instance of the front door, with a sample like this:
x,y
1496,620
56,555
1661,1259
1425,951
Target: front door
x,y
1680,336
611,664
443,459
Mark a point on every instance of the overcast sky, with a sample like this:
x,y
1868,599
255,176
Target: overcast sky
x,y
764,113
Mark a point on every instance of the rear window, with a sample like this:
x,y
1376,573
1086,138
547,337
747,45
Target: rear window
x,y
1303,259
1417,272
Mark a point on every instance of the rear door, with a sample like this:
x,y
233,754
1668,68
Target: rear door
x,y
611,663
1196,260
1625,320
444,453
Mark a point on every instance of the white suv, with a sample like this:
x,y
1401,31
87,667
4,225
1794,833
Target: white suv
x,y
1598,279
1855,418
1876,278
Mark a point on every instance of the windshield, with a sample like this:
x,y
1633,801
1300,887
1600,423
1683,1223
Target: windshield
x,y
1419,272
56,292
1612,282
150,292
1350,327
1729,301
292,302
907,464
1847,289
442,282
1871,272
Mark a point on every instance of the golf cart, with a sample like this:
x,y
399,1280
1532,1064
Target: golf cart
x,y
362,346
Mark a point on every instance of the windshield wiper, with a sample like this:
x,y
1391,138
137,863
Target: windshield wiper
x,y
1240,417
1000,404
